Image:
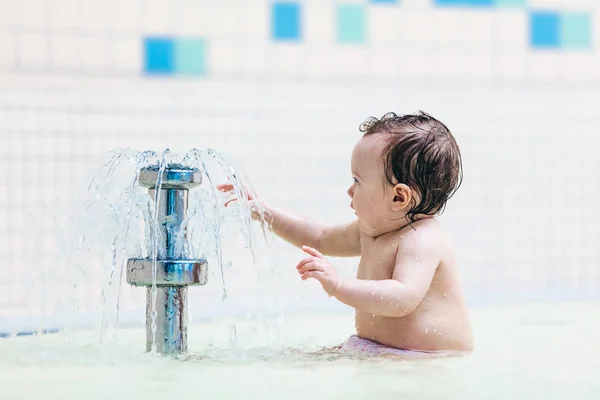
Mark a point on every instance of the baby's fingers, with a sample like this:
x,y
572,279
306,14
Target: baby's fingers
x,y
304,261
230,201
311,266
312,274
312,252
225,187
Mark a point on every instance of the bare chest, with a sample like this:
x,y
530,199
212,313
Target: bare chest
x,y
377,258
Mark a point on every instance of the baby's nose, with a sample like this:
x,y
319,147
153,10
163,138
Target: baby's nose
x,y
350,192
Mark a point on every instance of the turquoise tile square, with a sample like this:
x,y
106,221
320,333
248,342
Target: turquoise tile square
x,y
190,56
575,31
350,22
511,3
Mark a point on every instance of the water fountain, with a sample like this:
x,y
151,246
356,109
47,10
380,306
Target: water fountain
x,y
167,278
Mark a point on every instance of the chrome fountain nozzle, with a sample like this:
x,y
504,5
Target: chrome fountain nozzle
x,y
173,274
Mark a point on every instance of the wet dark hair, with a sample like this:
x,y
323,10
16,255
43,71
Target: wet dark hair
x,y
421,153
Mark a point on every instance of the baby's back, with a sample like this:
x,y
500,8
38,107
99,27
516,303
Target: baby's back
x,y
440,321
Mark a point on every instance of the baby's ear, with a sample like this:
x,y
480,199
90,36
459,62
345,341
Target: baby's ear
x,y
402,197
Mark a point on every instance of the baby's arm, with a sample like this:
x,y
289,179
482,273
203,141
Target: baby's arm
x,y
415,266
340,241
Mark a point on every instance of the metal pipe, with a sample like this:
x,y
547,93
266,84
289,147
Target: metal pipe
x,y
173,274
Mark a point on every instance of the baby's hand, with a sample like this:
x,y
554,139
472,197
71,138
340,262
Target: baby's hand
x,y
228,187
319,268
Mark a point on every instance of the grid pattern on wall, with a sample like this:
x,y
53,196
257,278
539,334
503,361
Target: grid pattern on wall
x,y
236,39
288,110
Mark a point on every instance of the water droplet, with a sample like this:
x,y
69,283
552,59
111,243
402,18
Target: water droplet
x,y
429,299
372,293
426,330
381,298
417,258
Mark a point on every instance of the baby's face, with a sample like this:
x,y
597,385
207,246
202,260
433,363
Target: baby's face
x,y
370,192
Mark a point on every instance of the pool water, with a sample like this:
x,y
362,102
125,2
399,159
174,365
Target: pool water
x,y
546,351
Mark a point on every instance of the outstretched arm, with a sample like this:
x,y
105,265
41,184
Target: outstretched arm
x,y
415,266
340,241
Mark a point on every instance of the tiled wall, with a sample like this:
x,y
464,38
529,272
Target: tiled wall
x,y
282,87
313,39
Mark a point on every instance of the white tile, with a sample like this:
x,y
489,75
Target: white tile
x,y
96,15
8,45
33,50
318,23
255,21
126,15
510,30
350,61
127,54
64,14
384,63
416,63
187,18
95,52
227,22
509,65
255,59
318,61
543,66
471,28
65,51
577,67
222,57
158,17
595,26
286,59
33,14
476,65
9,14
420,29
562,5
383,26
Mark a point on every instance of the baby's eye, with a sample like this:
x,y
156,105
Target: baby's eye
x,y
355,180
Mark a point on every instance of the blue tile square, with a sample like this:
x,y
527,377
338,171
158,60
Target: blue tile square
x,y
384,1
464,3
285,21
190,56
576,32
158,55
350,21
544,30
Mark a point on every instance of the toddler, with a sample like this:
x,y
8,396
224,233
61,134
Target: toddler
x,y
407,293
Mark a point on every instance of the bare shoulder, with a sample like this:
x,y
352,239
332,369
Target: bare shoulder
x,y
426,238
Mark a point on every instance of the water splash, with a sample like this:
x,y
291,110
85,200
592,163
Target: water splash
x,y
118,220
